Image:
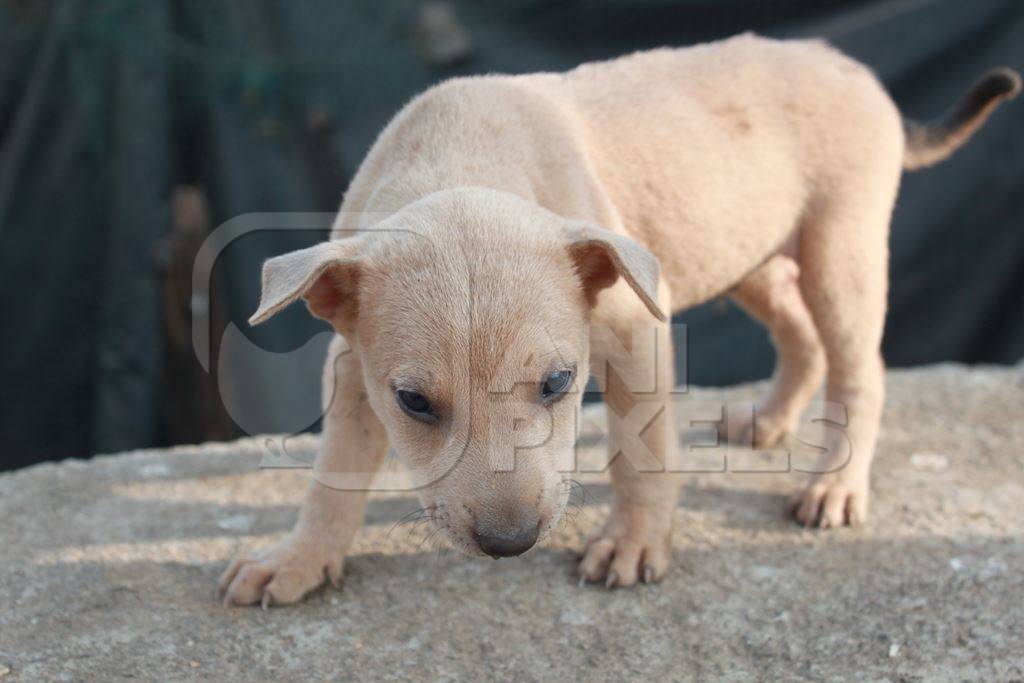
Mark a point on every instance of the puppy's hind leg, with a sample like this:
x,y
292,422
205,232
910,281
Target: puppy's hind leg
x,y
771,295
844,280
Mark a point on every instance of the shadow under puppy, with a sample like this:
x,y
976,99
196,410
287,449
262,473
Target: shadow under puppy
x,y
498,245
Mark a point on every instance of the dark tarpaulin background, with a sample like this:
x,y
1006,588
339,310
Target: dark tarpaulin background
x,y
129,129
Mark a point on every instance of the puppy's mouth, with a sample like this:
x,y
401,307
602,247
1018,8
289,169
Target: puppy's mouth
x,y
434,525
459,528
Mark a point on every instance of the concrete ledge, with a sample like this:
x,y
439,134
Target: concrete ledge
x,y
109,567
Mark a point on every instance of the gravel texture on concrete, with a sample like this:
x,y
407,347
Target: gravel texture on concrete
x,y
109,568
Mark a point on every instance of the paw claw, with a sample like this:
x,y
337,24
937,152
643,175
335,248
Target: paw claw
x,y
764,429
829,503
279,575
629,549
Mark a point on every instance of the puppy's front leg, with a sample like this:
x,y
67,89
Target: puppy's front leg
x,y
352,448
634,543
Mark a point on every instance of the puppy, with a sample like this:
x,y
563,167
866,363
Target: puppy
x,y
508,235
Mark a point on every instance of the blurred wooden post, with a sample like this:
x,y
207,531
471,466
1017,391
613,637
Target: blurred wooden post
x,y
190,407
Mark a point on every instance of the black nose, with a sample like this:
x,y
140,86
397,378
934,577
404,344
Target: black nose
x,y
507,545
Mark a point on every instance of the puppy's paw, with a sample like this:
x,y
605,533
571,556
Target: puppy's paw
x,y
831,501
279,575
632,546
767,430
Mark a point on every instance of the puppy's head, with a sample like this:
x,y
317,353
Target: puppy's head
x,y
469,312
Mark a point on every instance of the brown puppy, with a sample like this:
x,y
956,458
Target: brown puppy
x,y
496,246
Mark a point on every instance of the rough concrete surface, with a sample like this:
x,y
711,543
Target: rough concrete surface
x,y
109,568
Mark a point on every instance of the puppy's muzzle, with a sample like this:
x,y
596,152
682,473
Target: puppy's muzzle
x,y
506,544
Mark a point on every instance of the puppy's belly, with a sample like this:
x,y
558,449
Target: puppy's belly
x,y
709,236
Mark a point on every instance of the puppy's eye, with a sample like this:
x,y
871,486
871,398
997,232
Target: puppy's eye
x,y
556,384
415,405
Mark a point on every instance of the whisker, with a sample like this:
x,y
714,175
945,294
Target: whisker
x,y
443,547
586,497
414,517
428,538
578,493
418,525
576,497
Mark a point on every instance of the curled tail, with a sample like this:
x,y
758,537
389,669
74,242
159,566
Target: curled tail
x,y
928,144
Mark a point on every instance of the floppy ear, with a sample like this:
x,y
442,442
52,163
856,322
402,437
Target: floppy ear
x,y
327,275
601,257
